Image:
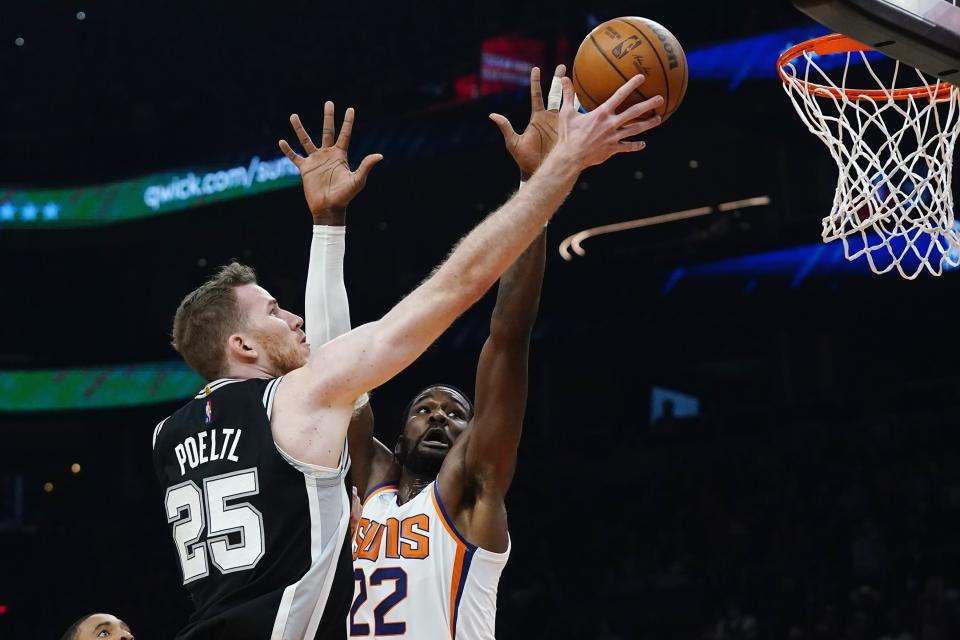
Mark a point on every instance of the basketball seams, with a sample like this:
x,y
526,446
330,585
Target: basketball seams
x,y
666,76
683,91
615,67
683,87
615,52
576,82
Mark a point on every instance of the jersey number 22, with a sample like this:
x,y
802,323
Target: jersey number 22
x,y
382,627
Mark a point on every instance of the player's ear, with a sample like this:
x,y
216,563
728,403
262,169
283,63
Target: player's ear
x,y
241,348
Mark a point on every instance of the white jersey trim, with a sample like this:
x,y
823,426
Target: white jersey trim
x,y
269,393
316,470
283,612
307,469
210,387
156,431
330,573
324,566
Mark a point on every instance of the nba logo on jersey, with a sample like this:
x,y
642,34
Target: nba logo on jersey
x,y
208,412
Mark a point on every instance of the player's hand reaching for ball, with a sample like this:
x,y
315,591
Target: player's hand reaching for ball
x,y
590,139
532,146
328,183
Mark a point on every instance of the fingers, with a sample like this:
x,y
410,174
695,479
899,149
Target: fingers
x,y
621,94
630,147
635,111
290,153
567,86
328,125
638,126
509,135
536,91
302,134
343,140
356,510
556,88
367,164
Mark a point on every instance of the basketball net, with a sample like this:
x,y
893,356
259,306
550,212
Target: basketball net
x,y
894,151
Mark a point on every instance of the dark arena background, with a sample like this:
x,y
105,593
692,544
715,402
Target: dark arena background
x,y
731,433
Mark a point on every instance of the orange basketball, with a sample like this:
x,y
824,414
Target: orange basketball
x,y
621,48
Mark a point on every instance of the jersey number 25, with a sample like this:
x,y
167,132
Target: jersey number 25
x,y
191,510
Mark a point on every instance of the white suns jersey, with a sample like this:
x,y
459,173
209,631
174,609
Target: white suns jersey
x,y
416,577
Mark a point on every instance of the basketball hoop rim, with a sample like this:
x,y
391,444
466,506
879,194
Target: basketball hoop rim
x,y
839,43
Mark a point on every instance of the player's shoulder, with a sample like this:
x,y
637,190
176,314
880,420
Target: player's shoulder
x,y
382,494
234,386
233,391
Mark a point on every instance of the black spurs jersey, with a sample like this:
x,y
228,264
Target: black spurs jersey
x,y
262,539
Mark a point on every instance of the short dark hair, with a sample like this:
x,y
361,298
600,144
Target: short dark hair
x,y
207,316
71,633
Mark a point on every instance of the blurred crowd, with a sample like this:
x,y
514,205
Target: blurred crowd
x,y
812,529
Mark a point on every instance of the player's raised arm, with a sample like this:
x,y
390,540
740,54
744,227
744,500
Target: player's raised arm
x,y
329,186
339,371
530,148
482,466
328,183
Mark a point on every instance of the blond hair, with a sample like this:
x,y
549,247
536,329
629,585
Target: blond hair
x,y
207,316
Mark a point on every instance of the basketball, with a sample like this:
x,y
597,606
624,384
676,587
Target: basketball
x,y
619,49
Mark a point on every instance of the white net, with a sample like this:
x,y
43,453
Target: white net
x,y
894,150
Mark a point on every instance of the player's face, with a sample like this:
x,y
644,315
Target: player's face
x,y
436,420
104,625
276,333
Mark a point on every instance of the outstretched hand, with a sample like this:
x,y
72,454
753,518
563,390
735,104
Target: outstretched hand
x,y
590,139
328,183
532,146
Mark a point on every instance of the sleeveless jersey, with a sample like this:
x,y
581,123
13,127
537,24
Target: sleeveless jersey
x,y
262,539
416,577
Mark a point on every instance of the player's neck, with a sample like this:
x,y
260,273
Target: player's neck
x,y
411,484
245,371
